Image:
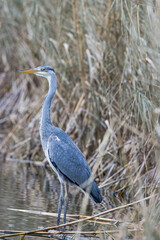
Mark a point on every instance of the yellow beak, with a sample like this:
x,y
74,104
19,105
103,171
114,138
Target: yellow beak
x,y
29,70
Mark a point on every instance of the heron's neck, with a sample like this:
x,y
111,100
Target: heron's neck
x,y
46,116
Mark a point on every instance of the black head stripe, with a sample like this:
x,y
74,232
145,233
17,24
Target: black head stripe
x,y
48,68
51,69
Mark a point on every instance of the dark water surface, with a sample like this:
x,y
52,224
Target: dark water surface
x,y
29,187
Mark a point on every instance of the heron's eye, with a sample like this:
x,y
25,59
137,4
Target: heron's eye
x,y
43,69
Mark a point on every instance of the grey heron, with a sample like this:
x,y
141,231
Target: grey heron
x,y
63,155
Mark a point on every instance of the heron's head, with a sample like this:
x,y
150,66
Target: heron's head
x,y
43,71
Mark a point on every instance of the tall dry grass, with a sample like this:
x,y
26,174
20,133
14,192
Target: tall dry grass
x,y
106,57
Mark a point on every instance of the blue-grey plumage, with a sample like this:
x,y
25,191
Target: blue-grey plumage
x,y
63,155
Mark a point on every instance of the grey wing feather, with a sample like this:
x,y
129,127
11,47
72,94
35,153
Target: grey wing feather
x,y
68,160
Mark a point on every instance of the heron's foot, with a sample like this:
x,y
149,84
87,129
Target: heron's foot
x,y
62,229
54,230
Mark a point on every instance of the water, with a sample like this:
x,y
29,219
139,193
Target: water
x,y
28,187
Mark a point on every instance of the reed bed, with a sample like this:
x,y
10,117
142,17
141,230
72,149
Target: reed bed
x,y
106,57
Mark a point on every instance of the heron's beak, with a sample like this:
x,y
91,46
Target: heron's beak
x,y
31,70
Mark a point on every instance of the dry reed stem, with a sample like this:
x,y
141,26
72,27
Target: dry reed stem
x,y
72,216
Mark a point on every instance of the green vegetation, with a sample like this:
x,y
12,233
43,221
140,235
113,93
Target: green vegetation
x,y
106,57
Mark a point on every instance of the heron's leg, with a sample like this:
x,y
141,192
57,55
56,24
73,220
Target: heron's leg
x,y
65,202
60,203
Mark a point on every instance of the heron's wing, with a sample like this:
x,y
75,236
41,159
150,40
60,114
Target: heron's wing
x,y
68,160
